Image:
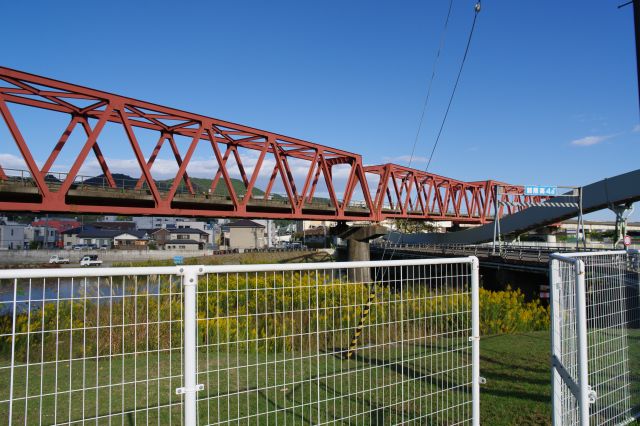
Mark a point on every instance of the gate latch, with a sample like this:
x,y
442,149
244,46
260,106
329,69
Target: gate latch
x,y
197,388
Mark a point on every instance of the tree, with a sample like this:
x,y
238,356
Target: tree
x,y
413,226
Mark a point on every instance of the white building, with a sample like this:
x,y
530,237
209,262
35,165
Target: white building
x,y
155,222
270,230
196,224
43,236
244,234
11,235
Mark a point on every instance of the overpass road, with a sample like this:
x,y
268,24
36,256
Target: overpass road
x,y
606,193
520,257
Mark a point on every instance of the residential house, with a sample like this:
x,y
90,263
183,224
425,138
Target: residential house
x,y
179,238
155,222
42,226
131,240
195,224
40,237
106,238
243,234
11,234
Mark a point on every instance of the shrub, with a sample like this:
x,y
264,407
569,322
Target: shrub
x,y
507,311
257,312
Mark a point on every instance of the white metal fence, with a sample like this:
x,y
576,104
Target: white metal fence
x,y
384,342
595,337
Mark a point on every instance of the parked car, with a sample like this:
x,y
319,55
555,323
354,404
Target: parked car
x,y
78,247
90,260
58,259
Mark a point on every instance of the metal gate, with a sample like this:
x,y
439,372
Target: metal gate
x,y
594,337
383,342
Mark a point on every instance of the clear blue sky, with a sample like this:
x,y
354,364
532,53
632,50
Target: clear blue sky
x,y
548,94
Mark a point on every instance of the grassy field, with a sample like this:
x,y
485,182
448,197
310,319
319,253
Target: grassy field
x,y
285,389
518,388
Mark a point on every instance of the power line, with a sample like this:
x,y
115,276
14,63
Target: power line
x,y
433,74
426,100
477,8
455,86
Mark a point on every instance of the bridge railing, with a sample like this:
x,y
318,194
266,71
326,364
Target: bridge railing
x,y
247,344
511,252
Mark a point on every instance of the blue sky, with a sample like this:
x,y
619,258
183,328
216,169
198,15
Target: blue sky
x,y
548,94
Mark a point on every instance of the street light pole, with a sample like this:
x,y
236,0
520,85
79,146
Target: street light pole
x,y
636,24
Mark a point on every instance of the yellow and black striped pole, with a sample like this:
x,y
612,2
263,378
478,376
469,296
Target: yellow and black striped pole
x,y
363,319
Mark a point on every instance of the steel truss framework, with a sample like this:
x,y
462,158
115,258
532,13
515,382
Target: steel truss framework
x,y
409,193
401,192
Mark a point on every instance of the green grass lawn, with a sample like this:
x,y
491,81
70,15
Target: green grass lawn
x,y
518,388
303,388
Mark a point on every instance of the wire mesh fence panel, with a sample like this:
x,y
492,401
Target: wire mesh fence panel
x,y
608,315
368,343
391,342
89,347
609,312
632,313
564,343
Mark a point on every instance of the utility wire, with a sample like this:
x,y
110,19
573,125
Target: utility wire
x,y
477,8
424,106
433,74
455,86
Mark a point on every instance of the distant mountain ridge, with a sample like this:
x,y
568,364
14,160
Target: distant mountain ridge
x,y
200,185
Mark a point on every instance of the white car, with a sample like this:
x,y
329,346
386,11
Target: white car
x,y
90,260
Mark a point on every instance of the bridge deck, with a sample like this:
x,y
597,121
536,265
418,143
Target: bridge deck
x,y
211,203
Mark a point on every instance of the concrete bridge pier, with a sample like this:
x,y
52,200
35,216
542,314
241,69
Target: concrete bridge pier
x,y
548,232
358,238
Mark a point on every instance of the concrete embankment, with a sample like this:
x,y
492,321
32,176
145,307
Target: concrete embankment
x,y
15,257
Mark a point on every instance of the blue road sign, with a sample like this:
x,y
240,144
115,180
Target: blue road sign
x,y
178,260
546,190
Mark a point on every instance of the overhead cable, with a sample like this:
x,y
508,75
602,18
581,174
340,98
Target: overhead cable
x,y
455,86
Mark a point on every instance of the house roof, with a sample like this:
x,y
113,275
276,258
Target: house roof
x,y
99,233
186,231
177,231
138,234
243,223
91,232
59,224
120,225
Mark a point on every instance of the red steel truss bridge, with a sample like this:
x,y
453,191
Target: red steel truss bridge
x,y
252,173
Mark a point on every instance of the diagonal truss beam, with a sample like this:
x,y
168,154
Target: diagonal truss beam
x,y
400,192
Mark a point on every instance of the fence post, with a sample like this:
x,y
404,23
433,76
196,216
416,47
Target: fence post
x,y
475,340
586,396
556,348
190,285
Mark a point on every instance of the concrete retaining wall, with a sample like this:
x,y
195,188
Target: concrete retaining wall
x,y
74,256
